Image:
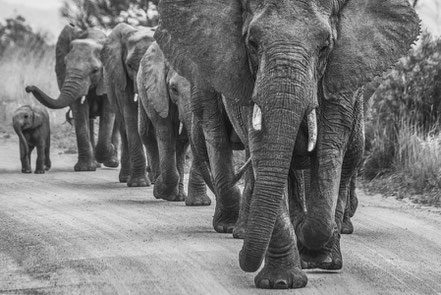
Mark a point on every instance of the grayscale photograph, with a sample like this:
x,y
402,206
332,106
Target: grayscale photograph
x,y
220,147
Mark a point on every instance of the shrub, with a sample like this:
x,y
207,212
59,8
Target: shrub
x,y
402,131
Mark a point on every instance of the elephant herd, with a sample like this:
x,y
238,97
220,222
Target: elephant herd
x,y
282,79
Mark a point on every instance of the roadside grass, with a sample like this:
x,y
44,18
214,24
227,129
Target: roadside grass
x,y
409,169
21,66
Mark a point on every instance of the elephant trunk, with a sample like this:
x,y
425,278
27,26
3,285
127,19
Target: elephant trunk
x,y
74,87
17,128
284,100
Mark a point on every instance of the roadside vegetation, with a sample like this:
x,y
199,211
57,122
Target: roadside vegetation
x,y
403,139
26,58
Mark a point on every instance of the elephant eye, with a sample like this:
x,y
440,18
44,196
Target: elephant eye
x,y
325,45
252,44
25,116
95,70
174,89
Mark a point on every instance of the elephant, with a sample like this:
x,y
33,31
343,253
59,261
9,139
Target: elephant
x,y
290,73
121,55
352,200
80,79
33,129
163,95
164,102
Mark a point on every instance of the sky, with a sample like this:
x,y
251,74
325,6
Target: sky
x,y
44,15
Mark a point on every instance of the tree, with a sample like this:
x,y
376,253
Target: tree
x,y
107,13
16,32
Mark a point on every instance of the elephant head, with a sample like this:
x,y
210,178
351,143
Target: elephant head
x,y
25,118
162,84
78,67
122,54
283,59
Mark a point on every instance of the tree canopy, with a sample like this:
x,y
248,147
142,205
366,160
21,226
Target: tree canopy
x,y
107,13
15,31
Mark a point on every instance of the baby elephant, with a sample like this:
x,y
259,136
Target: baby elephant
x,y
32,127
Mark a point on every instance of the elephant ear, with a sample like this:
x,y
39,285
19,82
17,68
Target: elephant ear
x,y
67,35
371,37
112,56
153,73
203,41
101,87
37,119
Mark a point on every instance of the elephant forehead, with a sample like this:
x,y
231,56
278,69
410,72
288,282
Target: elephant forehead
x,y
86,44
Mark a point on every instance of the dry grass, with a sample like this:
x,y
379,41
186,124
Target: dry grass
x,y
412,170
24,66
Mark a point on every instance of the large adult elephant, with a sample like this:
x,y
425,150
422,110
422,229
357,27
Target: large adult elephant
x,y
121,56
164,102
79,75
278,64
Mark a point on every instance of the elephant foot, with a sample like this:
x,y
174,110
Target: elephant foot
x,y
26,170
347,227
197,200
124,175
225,219
85,166
140,181
168,191
39,171
111,163
168,196
239,230
48,165
281,273
328,258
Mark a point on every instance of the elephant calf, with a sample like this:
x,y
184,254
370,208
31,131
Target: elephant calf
x,y
32,127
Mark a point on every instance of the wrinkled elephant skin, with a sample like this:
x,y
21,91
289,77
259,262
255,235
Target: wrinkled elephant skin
x,y
279,64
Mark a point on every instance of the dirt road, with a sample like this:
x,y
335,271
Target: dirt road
x,y
67,232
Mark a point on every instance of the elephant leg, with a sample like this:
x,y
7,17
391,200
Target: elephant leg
x,y
298,192
353,199
92,140
181,153
116,137
282,268
214,142
352,161
92,132
86,159
124,173
24,158
138,177
39,167
47,159
351,206
197,190
148,137
241,224
167,184
105,151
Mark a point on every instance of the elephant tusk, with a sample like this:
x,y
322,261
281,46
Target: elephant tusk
x,y
241,171
181,127
312,130
83,99
257,118
135,99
